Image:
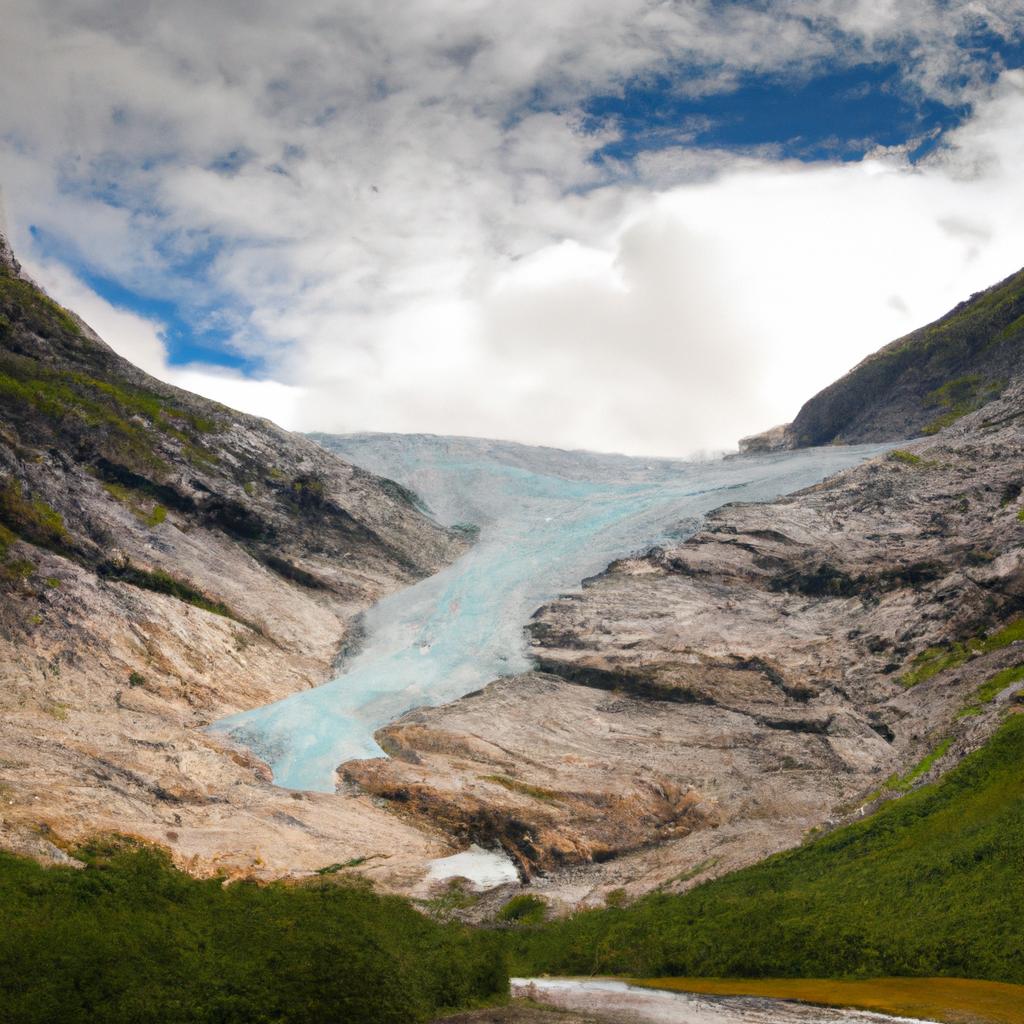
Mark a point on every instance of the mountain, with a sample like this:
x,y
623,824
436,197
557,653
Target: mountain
x,y
920,383
790,738
791,666
164,561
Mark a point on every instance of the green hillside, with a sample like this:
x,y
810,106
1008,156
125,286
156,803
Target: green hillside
x,y
926,380
129,939
933,884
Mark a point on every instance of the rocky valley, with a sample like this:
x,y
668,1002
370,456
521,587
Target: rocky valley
x,y
786,668
167,561
695,707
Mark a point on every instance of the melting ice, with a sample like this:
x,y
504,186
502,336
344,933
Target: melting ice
x,y
546,520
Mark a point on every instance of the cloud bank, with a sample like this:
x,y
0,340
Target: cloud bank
x,y
400,213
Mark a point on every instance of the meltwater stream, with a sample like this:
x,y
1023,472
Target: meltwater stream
x,y
546,520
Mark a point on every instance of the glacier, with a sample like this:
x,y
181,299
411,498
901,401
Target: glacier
x,y
544,519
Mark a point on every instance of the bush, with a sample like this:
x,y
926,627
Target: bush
x,y
130,939
524,909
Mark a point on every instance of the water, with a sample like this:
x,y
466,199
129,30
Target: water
x,y
547,519
624,1001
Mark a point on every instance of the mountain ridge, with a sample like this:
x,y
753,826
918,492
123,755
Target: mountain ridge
x,y
164,561
919,383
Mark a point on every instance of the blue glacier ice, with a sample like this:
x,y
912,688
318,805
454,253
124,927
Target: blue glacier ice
x,y
546,520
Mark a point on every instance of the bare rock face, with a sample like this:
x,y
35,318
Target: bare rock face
x,y
697,709
165,561
777,439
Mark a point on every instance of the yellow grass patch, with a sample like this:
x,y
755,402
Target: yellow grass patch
x,y
955,1000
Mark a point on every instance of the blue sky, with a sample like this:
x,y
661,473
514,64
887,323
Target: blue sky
x,y
360,217
834,115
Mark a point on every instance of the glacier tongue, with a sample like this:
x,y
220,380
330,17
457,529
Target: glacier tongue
x,y
546,520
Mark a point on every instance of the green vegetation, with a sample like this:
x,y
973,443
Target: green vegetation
x,y
31,518
697,869
959,397
615,898
515,786
164,583
1020,514
934,660
930,377
901,455
990,689
12,570
523,909
136,679
7,538
118,419
333,869
930,885
130,939
457,895
904,783
25,302
145,510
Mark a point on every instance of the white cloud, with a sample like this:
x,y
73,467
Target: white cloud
x,y
410,245
140,340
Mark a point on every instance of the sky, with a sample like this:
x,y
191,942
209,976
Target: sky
x,y
640,226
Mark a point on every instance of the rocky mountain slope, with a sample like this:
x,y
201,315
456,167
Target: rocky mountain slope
x,y
165,561
919,383
788,667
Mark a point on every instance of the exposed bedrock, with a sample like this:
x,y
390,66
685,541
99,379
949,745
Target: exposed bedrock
x,y
166,561
698,708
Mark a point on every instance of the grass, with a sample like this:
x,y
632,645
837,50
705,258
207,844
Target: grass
x,y
990,689
930,885
904,783
953,1000
149,512
455,896
934,660
31,519
162,582
959,397
946,369
12,570
25,301
333,869
28,385
122,421
697,869
901,455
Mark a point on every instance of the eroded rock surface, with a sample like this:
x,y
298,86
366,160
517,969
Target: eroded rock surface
x,y
699,708
166,561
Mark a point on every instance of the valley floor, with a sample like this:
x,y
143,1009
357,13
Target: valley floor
x,y
941,999
756,1001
